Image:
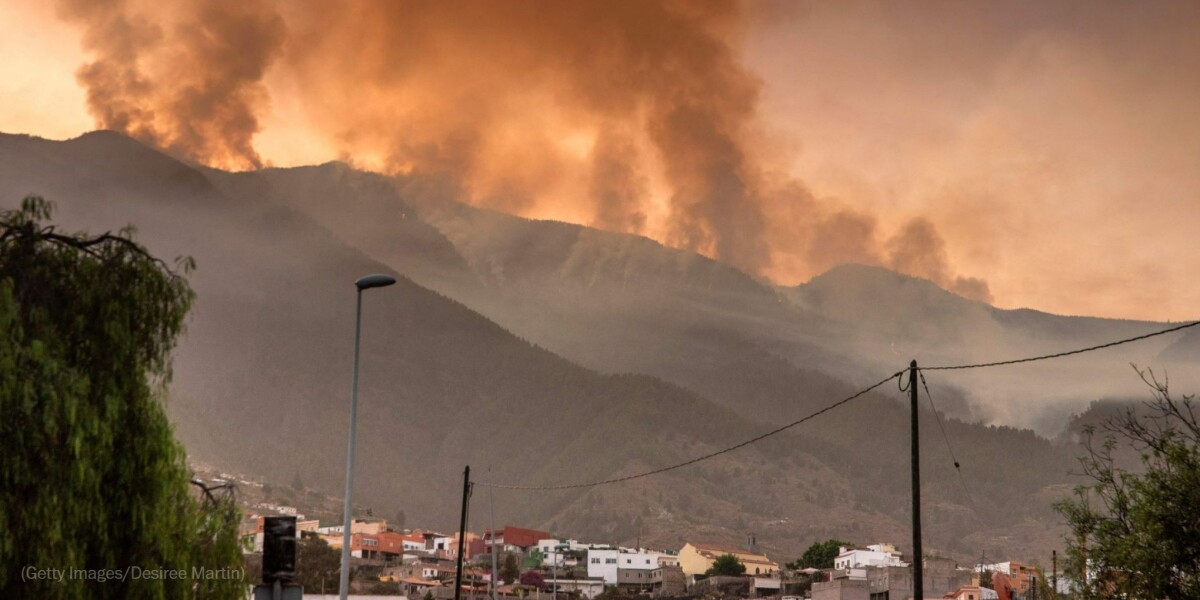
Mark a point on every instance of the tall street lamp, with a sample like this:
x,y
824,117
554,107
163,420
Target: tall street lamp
x,y
365,283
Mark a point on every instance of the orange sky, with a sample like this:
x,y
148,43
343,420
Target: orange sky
x,y
1053,150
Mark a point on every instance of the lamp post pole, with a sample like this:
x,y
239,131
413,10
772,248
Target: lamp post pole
x,y
365,283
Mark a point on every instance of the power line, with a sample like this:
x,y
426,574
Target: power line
x,y
697,459
1062,354
941,425
897,375
957,466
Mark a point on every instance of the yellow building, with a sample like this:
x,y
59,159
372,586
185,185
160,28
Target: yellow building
x,y
695,559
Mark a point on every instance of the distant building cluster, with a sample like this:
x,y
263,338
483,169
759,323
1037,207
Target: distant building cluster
x,y
421,564
880,572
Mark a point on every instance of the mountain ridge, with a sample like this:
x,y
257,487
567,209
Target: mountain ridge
x,y
576,298
664,370
459,362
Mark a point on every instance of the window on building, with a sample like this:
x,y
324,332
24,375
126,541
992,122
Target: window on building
x,y
610,561
595,561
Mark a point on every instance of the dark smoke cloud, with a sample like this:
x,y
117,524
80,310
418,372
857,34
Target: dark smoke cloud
x,y
836,235
844,236
919,250
617,186
631,115
473,87
186,77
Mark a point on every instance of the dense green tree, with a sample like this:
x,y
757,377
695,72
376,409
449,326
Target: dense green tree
x,y
533,559
726,564
1137,534
820,555
985,578
318,566
509,569
92,481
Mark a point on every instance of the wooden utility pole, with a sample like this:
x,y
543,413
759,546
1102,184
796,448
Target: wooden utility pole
x,y
462,532
492,527
1054,572
918,566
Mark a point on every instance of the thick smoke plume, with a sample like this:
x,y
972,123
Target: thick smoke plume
x,y
540,103
818,235
186,77
629,115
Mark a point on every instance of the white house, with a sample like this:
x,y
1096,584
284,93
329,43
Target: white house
x,y
876,555
551,554
1000,567
604,562
589,588
444,543
638,560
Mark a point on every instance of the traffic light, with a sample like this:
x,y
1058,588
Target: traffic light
x,y
279,549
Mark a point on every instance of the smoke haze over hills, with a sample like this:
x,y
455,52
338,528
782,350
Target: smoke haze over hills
x,y
707,356
633,116
1034,154
630,232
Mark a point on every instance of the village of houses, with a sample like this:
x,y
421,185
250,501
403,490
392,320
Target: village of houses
x,y
420,565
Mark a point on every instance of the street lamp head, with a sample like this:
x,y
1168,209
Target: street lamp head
x,y
364,283
374,281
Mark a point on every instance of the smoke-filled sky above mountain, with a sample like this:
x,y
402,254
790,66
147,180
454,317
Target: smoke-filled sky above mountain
x,y
1033,154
